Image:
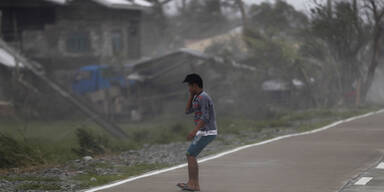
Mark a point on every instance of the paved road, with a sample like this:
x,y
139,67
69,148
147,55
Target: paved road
x,y
319,162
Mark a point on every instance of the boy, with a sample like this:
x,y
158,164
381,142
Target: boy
x,y
205,131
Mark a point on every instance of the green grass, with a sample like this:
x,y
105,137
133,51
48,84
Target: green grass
x,y
39,186
35,183
54,140
312,126
125,172
30,178
300,120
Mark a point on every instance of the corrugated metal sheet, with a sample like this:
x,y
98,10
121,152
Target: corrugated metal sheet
x,y
123,4
58,1
7,59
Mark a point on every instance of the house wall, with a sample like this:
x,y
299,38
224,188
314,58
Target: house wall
x,y
94,24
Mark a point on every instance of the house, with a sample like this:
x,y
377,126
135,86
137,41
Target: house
x,y
156,83
282,91
65,34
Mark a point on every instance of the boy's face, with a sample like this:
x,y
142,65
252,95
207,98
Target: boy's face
x,y
193,88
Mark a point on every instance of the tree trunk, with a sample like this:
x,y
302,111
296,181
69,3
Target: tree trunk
x,y
243,14
378,13
308,86
374,62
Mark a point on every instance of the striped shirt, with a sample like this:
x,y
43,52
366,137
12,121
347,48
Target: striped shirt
x,y
203,109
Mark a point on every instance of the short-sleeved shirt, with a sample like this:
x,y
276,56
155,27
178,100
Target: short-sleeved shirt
x,y
203,109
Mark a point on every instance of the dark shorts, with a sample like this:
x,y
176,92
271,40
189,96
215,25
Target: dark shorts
x,y
198,144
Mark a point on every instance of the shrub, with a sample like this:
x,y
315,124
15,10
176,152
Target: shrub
x,y
14,153
89,143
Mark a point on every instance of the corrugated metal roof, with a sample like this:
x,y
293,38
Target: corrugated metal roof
x,y
119,4
58,1
7,59
275,85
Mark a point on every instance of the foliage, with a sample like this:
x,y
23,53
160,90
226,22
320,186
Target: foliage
x,y
278,19
344,35
90,144
200,19
14,153
348,39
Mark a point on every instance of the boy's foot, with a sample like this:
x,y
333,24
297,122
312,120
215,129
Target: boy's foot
x,y
191,188
182,185
187,188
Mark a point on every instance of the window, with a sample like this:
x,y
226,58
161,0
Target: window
x,y
78,42
117,42
134,26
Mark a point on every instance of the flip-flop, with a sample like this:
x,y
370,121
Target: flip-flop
x,y
186,188
182,185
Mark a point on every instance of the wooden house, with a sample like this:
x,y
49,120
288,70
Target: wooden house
x,y
62,34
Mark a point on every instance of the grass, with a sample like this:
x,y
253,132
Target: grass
x,y
17,153
30,178
34,183
126,171
38,186
312,126
54,139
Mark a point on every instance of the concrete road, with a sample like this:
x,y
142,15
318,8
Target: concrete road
x,y
320,162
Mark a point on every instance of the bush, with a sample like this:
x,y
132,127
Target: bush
x,y
89,143
140,136
15,153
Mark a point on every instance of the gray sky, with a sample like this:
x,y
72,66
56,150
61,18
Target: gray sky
x,y
301,5
298,4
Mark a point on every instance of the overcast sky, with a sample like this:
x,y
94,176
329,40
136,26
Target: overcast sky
x,y
299,4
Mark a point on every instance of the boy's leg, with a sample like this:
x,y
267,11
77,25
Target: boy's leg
x,y
197,145
193,170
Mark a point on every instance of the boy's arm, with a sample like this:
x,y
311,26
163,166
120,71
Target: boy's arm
x,y
204,103
188,108
199,125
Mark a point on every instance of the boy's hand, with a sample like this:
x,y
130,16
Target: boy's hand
x,y
191,136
